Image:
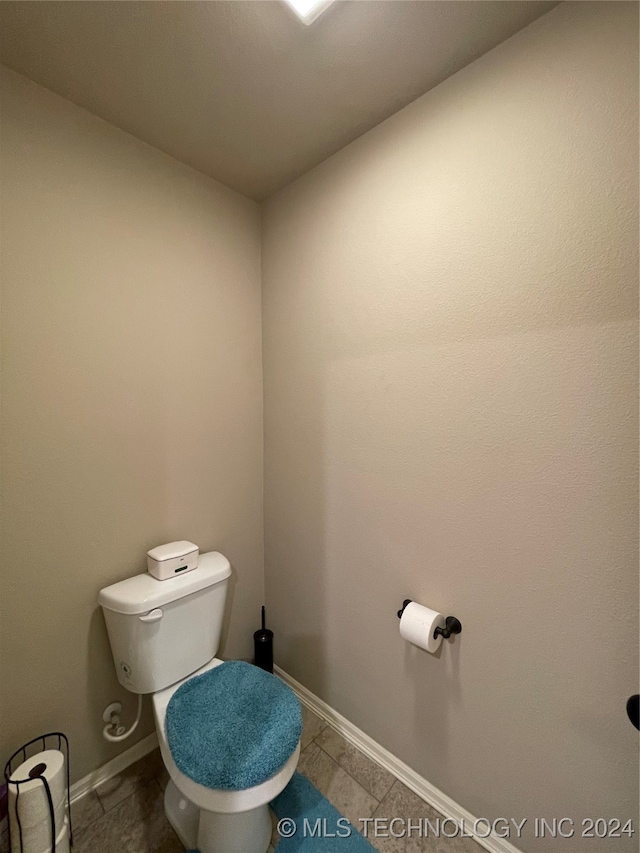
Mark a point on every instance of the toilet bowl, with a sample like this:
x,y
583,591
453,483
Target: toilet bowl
x,y
164,636
239,820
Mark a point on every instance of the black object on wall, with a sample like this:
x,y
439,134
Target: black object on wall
x,y
633,709
263,647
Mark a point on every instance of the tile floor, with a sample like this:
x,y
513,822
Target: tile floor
x,y
126,815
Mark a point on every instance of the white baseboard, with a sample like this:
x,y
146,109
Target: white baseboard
x,y
420,786
82,787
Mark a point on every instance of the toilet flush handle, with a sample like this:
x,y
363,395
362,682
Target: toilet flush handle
x,y
152,616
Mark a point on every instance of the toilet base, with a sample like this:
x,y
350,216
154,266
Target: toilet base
x,y
240,832
182,814
217,832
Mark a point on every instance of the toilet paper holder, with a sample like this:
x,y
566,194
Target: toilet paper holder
x,y
51,740
452,625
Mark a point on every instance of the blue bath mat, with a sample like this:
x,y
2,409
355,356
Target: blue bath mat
x,y
316,826
233,727
319,827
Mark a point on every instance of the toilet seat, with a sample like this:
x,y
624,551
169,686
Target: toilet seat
x,y
232,727
212,799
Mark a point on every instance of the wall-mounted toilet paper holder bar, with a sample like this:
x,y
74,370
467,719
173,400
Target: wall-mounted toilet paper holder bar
x,y
451,624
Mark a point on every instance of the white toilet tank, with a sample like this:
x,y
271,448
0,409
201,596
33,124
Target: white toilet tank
x,y
162,631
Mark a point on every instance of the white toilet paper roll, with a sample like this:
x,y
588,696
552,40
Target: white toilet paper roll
x,y
28,802
417,625
37,838
62,842
35,845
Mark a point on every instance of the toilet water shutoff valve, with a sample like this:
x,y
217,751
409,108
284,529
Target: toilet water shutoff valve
x,y
114,731
111,716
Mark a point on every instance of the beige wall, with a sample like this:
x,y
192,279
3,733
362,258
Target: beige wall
x,y
450,347
132,399
451,415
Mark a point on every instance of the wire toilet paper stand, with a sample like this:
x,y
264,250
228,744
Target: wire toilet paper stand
x,y
46,741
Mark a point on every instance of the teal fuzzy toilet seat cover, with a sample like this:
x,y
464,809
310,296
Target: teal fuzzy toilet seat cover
x,y
232,727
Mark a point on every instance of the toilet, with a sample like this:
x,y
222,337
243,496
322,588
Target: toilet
x,y
164,635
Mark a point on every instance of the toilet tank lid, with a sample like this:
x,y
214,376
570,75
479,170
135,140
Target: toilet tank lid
x,y
142,593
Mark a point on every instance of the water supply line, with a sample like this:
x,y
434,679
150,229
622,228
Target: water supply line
x,y
114,732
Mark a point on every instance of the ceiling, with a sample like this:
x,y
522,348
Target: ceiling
x,y
242,90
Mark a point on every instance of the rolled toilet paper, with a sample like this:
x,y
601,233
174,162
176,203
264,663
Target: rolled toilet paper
x,y
29,814
62,842
37,838
417,625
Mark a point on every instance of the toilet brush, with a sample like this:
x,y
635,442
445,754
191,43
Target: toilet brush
x,y
263,647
